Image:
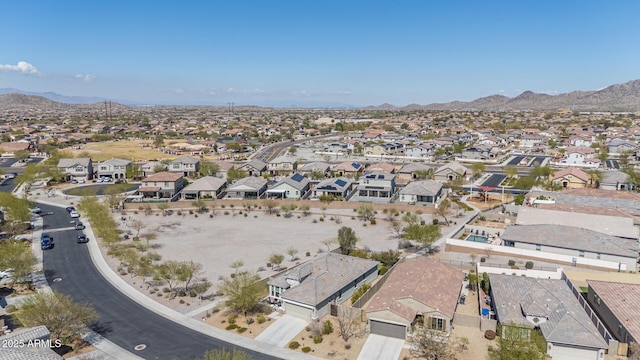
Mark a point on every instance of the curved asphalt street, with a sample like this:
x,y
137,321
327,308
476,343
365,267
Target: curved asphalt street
x,y
69,269
122,320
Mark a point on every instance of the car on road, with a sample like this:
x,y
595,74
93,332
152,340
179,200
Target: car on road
x,y
74,214
82,238
70,209
7,273
46,241
79,225
36,210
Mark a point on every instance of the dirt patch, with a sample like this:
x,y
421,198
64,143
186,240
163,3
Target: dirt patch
x,y
332,345
253,327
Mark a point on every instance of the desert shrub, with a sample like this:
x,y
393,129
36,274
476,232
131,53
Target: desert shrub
x,y
231,327
181,301
511,262
232,320
294,345
250,320
347,346
382,270
528,265
483,259
327,327
308,253
317,339
306,349
360,291
10,308
165,290
435,221
192,294
182,293
489,334
242,329
260,319
373,221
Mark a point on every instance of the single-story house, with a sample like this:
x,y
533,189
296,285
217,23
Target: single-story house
x,y
453,171
251,187
418,292
421,192
336,187
161,185
573,241
253,167
414,171
223,168
307,290
349,168
619,226
616,304
207,187
292,187
615,179
570,178
522,304
317,167
76,168
381,166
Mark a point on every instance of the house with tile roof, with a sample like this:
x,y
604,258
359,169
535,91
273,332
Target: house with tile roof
x,y
113,168
291,187
616,304
413,171
185,165
417,292
349,169
522,304
453,171
250,187
570,178
428,192
162,185
207,187
339,188
308,290
76,168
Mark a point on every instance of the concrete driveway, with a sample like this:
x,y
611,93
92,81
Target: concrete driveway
x,y
282,331
381,348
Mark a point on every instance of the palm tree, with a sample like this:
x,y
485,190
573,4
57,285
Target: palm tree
x,y
595,176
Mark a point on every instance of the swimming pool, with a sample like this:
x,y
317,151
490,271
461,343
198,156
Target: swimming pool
x,y
477,238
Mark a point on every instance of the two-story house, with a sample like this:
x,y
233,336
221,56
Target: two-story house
x,y
76,168
375,186
186,165
113,168
283,165
161,185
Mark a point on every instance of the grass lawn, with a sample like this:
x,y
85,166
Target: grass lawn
x,y
129,150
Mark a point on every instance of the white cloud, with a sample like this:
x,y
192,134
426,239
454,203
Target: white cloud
x,y
178,91
22,67
344,92
86,77
245,91
305,93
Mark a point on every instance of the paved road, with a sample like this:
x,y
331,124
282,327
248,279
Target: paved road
x,y
273,151
494,180
122,321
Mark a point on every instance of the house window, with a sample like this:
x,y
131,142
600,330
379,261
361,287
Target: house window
x,y
166,183
79,169
175,166
437,324
538,247
581,253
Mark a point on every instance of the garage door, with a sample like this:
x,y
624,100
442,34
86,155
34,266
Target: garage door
x,y
387,329
298,311
569,353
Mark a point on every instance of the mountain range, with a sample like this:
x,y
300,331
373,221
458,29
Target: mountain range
x,y
618,97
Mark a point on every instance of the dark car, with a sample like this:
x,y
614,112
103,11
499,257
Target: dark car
x,y
79,225
70,209
46,241
82,238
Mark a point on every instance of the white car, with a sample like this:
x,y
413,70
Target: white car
x,y
36,210
6,273
80,181
74,214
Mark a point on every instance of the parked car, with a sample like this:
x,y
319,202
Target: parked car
x,y
79,225
36,210
74,214
80,181
46,241
70,209
74,181
6,273
82,238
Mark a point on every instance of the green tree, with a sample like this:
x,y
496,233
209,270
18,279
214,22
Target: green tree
x,y
423,234
347,239
200,205
22,155
208,168
224,354
158,141
187,271
243,291
516,343
511,171
168,271
366,212
17,255
477,169
444,209
594,177
66,320
236,174
276,260
603,155
133,171
163,206
292,150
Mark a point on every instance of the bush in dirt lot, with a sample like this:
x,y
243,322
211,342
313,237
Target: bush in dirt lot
x,y
489,334
327,327
294,345
306,349
317,339
528,265
260,319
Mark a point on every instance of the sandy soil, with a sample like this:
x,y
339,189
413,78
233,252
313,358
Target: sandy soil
x,y
332,345
220,319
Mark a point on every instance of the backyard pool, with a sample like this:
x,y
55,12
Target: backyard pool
x,y
477,238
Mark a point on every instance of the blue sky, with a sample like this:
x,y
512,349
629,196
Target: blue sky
x,y
288,53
